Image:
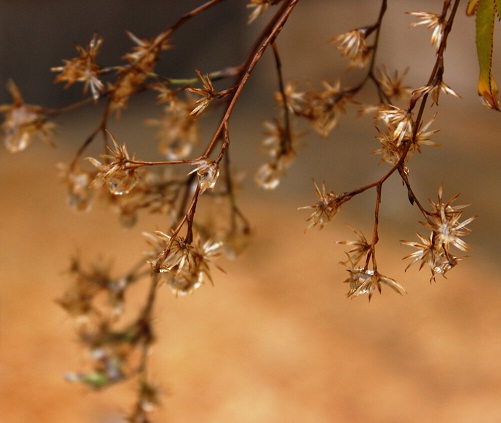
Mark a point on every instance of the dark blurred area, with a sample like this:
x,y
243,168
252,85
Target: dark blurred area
x,y
35,35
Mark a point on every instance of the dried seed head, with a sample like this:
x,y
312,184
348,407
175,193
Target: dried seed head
x,y
324,209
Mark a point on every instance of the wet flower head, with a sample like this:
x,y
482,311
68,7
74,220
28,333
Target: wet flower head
x,y
77,181
116,171
22,122
207,171
177,129
184,266
446,232
392,148
278,145
366,281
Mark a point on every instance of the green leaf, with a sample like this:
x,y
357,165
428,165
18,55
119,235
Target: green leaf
x,y
498,8
472,6
487,87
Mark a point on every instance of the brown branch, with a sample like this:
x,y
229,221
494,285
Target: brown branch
x,y
268,37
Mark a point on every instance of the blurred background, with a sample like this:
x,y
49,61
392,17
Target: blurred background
x,y
275,340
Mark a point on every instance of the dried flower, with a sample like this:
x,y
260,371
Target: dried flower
x,y
23,121
279,140
446,232
445,222
141,65
353,45
293,98
322,108
278,144
88,282
432,21
434,90
178,131
392,149
399,121
183,266
259,6
145,53
269,174
77,181
324,209
361,248
392,84
117,174
83,68
207,93
129,82
366,281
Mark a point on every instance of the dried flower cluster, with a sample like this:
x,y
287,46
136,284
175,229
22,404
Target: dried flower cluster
x,y
446,232
181,255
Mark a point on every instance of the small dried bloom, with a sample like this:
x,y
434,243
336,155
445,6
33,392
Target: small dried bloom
x,y
150,397
207,93
165,94
446,232
366,281
259,6
293,98
322,108
208,172
77,181
361,248
324,209
392,84
235,242
184,266
83,68
145,53
353,45
390,152
23,121
434,90
432,21
269,174
429,252
142,62
279,140
446,225
423,137
392,149
278,144
79,299
117,174
128,83
178,131
399,120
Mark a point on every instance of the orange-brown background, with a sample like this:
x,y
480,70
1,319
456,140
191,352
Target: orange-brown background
x,y
275,340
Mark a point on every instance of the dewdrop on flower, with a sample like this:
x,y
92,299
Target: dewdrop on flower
x,y
208,172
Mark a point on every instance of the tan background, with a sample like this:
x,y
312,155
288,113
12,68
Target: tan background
x,y
275,340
